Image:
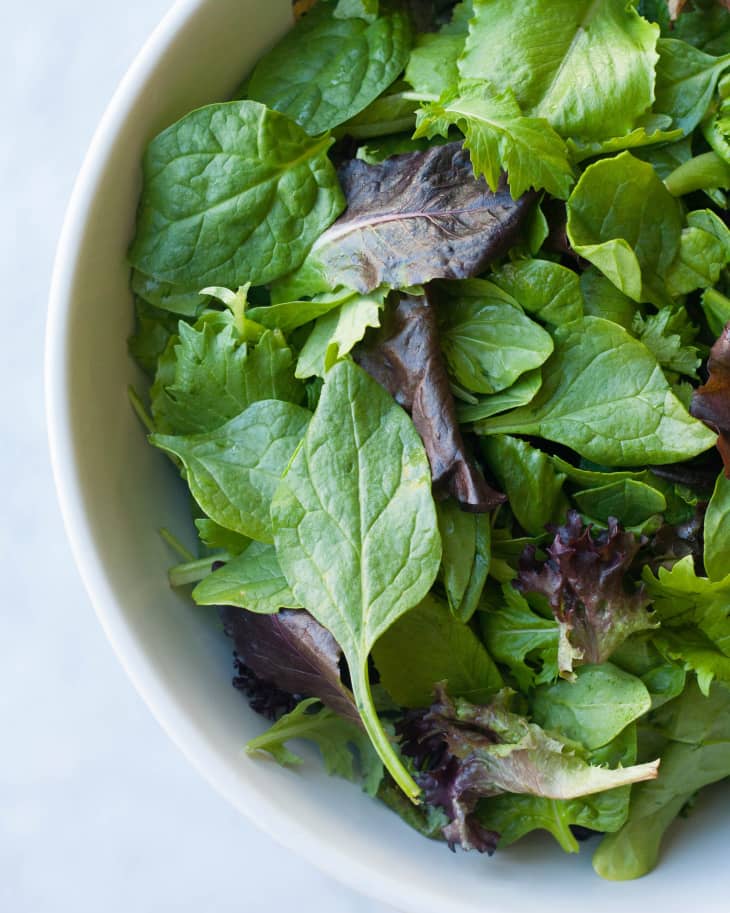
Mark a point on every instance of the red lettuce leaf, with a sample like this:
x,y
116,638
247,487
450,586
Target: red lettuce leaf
x,y
711,402
584,581
404,356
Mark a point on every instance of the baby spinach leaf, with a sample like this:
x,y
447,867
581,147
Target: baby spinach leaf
x,y
595,708
548,290
167,297
432,68
520,639
500,138
429,645
602,299
326,69
233,193
717,531
630,501
334,737
410,219
466,540
533,486
591,74
668,335
622,219
685,81
207,376
355,527
486,338
704,251
604,395
520,393
234,470
252,581
293,652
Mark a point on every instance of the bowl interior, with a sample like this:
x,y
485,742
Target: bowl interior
x,y
116,492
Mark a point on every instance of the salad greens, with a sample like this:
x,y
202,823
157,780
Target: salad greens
x,y
436,319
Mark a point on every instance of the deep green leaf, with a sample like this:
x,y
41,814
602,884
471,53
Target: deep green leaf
x,y
685,81
549,291
717,531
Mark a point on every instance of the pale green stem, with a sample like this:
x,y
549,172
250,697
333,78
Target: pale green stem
x,y
194,571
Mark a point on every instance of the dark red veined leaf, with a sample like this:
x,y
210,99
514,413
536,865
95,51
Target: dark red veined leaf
x,y
711,402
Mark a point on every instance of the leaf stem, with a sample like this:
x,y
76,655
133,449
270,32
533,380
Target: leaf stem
x,y
139,410
378,736
194,571
703,172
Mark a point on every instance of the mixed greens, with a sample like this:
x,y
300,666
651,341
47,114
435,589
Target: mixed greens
x,y
437,318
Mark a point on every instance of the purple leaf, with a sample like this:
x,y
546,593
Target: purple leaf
x,y
711,402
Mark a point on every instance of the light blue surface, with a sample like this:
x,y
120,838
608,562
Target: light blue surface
x,y
98,810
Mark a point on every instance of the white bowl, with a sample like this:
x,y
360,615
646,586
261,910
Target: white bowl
x,y
116,491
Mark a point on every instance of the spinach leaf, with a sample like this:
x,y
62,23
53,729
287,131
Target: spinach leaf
x,y
355,527
704,251
486,338
630,501
590,74
410,219
167,297
520,639
336,738
206,375
466,540
252,581
520,393
233,471
428,645
233,193
533,486
499,138
603,299
595,708
327,69
548,290
717,531
604,395
432,68
622,219
153,329
685,81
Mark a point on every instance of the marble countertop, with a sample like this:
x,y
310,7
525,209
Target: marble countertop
x,y
98,810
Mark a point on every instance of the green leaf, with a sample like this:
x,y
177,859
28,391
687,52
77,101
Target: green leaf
x,y
153,329
594,708
355,526
288,315
521,640
338,332
685,82
334,736
486,338
363,9
466,540
218,537
717,531
630,502
206,376
647,134
623,220
603,299
545,289
704,251
327,69
604,395
590,74
717,310
252,581
429,645
432,68
233,193
528,477
234,470
520,393
391,113
500,138
167,297
668,334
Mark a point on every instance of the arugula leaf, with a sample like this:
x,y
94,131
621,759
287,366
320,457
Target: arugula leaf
x,y
206,375
233,193
520,393
429,645
595,708
668,335
355,527
167,297
711,401
410,219
521,640
252,581
291,651
632,501
334,737
500,138
533,486
717,531
486,338
233,471
466,540
704,251
548,290
326,68
604,395
590,74
622,219
685,81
